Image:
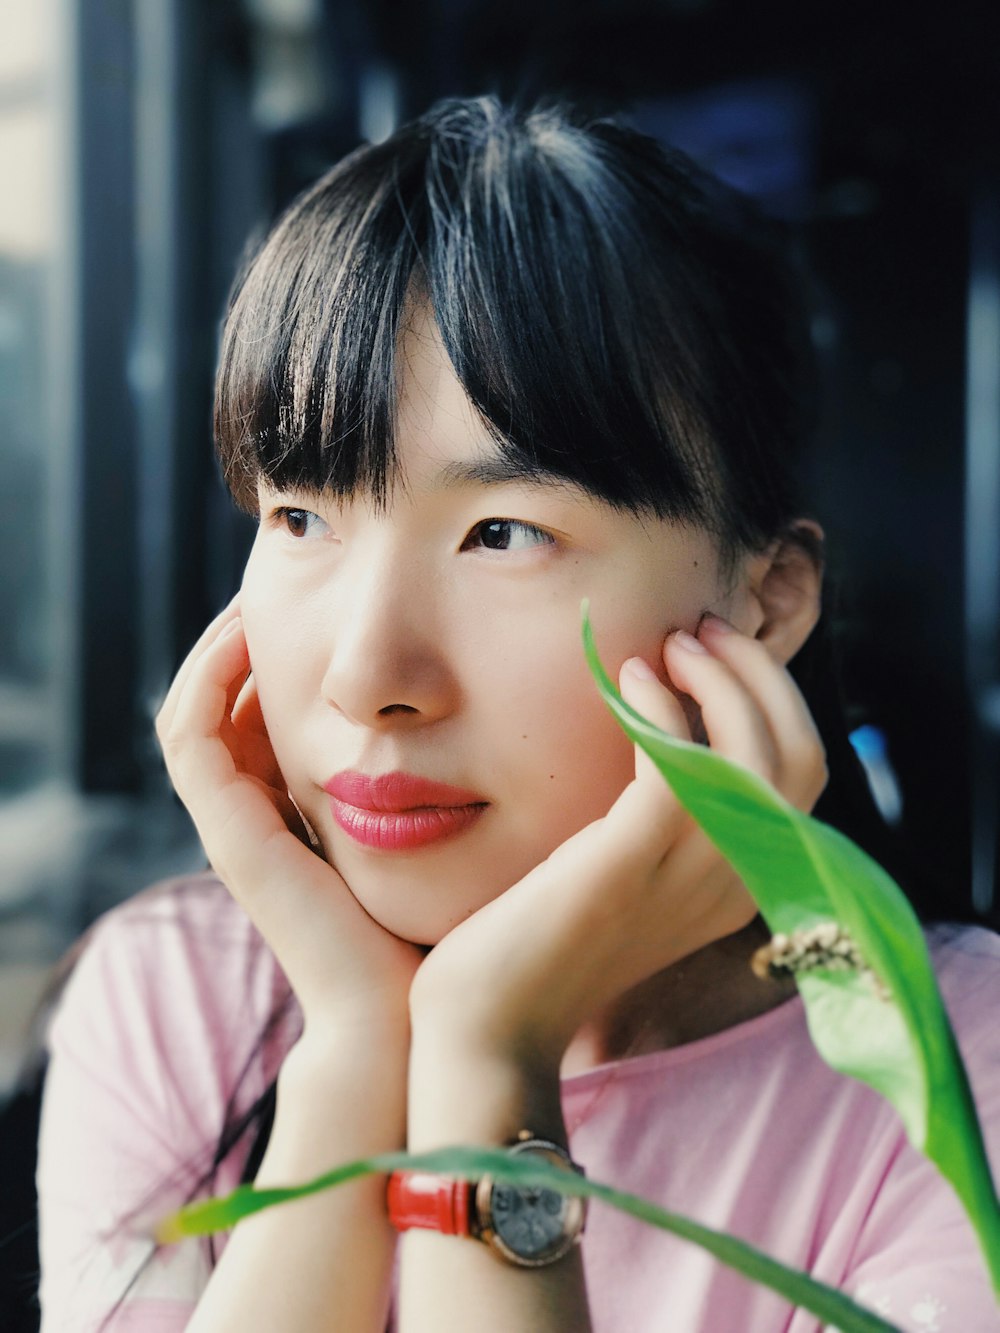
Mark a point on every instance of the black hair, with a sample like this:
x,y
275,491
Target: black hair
x,y
618,318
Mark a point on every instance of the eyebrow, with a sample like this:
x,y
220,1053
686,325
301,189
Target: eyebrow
x,y
497,471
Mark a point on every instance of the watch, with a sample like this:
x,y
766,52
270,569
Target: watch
x,y
526,1225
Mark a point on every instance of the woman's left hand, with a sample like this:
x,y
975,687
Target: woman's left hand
x,y
635,891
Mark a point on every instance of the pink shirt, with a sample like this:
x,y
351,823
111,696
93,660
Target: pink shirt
x,y
746,1131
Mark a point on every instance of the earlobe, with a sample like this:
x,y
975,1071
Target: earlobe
x,y
786,589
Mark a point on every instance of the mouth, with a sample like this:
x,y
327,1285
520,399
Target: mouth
x,y
396,812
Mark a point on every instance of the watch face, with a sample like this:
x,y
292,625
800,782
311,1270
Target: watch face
x,y
532,1223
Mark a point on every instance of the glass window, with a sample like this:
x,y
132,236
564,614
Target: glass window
x,y
29,712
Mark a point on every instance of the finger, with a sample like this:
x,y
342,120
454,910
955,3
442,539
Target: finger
x,y
250,732
246,709
205,640
243,820
236,688
648,807
192,736
802,772
786,753
647,694
734,723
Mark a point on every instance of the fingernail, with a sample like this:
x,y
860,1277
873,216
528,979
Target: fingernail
x,y
716,623
639,668
685,640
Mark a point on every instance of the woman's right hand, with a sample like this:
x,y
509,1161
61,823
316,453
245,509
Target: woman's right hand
x,y
342,965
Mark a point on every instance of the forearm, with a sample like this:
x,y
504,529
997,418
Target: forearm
x,y
450,1283
322,1263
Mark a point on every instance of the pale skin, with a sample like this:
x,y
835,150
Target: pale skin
x,y
444,990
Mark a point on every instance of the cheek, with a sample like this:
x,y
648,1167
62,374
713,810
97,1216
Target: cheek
x,y
279,656
263,625
557,748
592,763
568,750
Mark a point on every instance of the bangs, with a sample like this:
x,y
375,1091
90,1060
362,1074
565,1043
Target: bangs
x,y
305,389
553,256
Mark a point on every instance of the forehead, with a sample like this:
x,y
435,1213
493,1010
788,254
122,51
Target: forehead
x,y
441,440
436,422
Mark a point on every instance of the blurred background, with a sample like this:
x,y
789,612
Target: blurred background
x,y
143,141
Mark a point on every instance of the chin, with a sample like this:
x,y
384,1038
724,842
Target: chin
x,y
422,928
422,898
418,907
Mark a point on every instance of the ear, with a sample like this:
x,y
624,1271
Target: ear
x,y
783,590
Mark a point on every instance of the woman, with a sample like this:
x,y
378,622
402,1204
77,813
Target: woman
x,y
496,365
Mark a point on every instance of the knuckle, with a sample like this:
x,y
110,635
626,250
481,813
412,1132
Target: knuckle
x,y
740,649
807,769
172,745
751,647
769,763
815,785
766,767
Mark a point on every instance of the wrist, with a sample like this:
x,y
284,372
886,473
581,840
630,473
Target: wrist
x,y
461,1090
345,1049
476,1029
328,1114
355,1028
344,1096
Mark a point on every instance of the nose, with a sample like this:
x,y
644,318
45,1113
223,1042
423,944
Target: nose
x,y
388,662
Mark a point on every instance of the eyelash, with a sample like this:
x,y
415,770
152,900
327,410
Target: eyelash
x,y
487,523
286,515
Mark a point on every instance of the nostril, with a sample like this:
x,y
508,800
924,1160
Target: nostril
x,y
389,709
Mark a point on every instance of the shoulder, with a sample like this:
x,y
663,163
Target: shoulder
x,y
967,964
176,981
164,1034
964,952
916,1259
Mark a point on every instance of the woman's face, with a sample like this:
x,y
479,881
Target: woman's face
x,y
441,639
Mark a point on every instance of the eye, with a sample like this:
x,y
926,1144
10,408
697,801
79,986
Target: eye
x,y
506,534
298,522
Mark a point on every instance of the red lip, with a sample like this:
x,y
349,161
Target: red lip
x,y
397,791
399,811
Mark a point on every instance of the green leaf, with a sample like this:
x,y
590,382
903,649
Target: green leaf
x,y
802,873
833,1307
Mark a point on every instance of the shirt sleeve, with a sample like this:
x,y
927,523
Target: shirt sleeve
x,y
146,1048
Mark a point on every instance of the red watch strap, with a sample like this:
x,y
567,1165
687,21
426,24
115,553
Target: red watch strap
x,y
433,1203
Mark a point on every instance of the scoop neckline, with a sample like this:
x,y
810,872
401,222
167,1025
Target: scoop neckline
x,y
700,1048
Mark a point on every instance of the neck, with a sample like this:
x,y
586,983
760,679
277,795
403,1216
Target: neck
x,y
709,991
